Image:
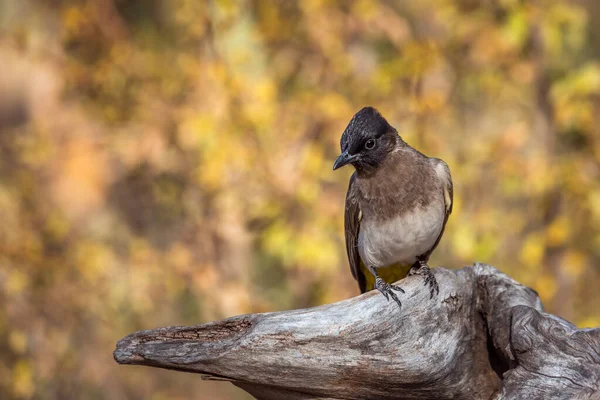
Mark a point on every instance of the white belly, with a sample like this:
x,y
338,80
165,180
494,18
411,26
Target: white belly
x,y
401,239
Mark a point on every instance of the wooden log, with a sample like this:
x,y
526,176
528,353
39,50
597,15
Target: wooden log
x,y
484,336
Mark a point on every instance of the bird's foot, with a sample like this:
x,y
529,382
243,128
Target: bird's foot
x,y
421,268
387,290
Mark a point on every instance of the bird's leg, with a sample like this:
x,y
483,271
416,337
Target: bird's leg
x,y
385,288
420,267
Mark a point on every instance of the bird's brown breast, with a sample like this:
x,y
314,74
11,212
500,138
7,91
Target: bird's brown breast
x,y
403,183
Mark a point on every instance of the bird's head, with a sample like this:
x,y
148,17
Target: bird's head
x,y
366,141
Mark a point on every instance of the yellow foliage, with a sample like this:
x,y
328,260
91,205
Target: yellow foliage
x,y
463,240
532,251
15,283
558,231
589,322
17,341
574,262
546,287
22,380
73,19
171,163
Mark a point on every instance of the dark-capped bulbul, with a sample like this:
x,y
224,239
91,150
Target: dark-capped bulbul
x,y
397,205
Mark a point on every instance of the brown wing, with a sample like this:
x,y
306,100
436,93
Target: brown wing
x,y
351,229
443,173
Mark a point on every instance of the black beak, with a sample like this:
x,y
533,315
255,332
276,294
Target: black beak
x,y
343,159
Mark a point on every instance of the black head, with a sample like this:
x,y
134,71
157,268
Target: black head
x,y
366,141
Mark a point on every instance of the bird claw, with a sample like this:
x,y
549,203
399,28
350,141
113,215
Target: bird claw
x,y
432,282
387,290
423,269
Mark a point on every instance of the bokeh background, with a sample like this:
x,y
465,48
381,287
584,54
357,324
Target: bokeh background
x,y
169,162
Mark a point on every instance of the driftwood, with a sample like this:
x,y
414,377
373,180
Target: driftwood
x,y
483,337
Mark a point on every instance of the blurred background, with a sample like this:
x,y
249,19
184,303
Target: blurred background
x,y
168,163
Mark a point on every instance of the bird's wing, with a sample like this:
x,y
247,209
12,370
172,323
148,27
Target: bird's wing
x,y
443,173
352,218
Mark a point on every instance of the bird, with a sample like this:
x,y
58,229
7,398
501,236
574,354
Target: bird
x,y
397,205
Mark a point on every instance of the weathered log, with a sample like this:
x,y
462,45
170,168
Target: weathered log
x,y
484,336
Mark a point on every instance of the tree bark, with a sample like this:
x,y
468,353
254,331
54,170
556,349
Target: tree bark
x,y
484,336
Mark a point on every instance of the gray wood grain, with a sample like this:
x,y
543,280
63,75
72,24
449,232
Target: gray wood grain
x,y
483,337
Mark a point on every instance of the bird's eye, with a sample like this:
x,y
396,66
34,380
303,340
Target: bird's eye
x,y
370,144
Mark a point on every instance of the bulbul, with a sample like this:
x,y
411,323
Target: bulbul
x,y
397,205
